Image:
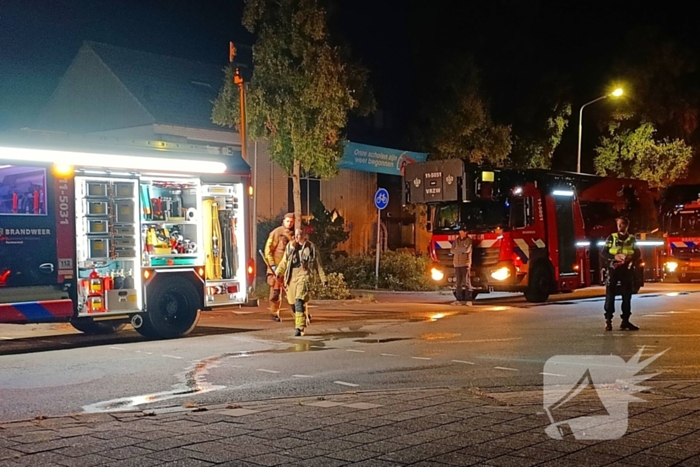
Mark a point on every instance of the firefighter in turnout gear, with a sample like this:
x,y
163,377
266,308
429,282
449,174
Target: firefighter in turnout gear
x,y
274,250
622,256
297,265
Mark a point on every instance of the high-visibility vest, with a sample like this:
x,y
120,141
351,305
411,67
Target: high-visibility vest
x,y
625,247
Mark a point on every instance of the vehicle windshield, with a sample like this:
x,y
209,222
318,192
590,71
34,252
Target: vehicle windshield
x,y
477,216
685,223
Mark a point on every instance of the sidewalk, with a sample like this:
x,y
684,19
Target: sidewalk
x,y
423,427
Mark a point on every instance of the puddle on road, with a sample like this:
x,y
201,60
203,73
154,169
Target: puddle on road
x,y
438,335
382,341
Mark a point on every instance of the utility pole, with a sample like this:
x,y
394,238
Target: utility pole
x,y
238,81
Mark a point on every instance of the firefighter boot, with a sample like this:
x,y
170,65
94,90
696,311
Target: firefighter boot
x,y
275,311
627,326
608,325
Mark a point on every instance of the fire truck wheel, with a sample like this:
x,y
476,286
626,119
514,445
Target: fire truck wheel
x,y
539,285
172,310
684,278
97,327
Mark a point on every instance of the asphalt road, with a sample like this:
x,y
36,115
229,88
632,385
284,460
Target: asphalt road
x,y
399,341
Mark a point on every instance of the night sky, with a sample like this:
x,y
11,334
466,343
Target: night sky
x,y
401,42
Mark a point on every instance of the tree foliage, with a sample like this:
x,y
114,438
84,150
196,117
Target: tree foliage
x,y
327,231
301,90
634,153
457,123
539,121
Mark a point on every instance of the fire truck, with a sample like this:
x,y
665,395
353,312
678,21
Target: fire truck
x,y
602,200
526,226
681,225
100,233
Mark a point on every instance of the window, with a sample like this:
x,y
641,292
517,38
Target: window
x,y
521,212
310,195
22,191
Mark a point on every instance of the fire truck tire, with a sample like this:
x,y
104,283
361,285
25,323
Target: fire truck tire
x,y
539,285
684,278
172,310
87,326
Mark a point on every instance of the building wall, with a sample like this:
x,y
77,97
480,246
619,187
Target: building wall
x,y
351,193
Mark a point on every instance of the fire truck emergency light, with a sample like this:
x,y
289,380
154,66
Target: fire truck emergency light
x,y
563,193
113,161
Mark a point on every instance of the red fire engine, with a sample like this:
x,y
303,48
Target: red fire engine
x,y
101,233
526,226
681,255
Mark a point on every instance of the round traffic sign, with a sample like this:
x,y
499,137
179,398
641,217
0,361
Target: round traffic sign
x,y
381,198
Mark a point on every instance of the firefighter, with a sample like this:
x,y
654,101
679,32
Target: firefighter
x,y
297,265
274,250
462,262
622,255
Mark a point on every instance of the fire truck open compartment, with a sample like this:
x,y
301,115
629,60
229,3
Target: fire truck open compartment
x,y
103,232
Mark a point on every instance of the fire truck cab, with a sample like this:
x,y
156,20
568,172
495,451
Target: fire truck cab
x,y
682,248
100,233
526,226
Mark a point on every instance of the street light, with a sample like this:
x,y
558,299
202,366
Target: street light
x,y
616,93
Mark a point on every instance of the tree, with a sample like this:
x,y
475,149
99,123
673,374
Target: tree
x,y
534,149
301,90
538,122
328,231
634,153
456,121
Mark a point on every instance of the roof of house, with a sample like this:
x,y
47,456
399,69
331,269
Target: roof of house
x,y
173,90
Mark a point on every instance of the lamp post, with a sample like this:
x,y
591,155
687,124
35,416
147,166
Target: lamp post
x,y
616,93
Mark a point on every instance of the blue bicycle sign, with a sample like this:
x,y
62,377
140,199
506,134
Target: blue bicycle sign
x,y
381,198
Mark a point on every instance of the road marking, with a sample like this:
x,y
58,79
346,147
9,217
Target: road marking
x,y
118,348
421,358
463,361
267,371
343,383
553,374
353,350
388,355
505,368
654,316
173,356
302,376
671,312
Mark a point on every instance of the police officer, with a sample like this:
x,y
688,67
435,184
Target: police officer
x,y
274,250
622,255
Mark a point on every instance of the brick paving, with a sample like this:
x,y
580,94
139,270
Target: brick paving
x,y
427,427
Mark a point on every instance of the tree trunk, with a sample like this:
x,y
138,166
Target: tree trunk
x,y
296,193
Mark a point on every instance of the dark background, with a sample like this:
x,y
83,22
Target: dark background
x,y
401,42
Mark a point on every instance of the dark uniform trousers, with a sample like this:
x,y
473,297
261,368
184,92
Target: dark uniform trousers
x,y
625,276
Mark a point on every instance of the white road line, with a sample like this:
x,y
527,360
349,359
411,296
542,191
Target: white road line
x,y
463,361
553,374
505,368
267,371
302,376
671,312
421,358
353,350
388,355
118,348
343,383
173,356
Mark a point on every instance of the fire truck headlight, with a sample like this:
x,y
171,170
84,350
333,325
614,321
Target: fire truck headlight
x,y
501,274
671,266
436,274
